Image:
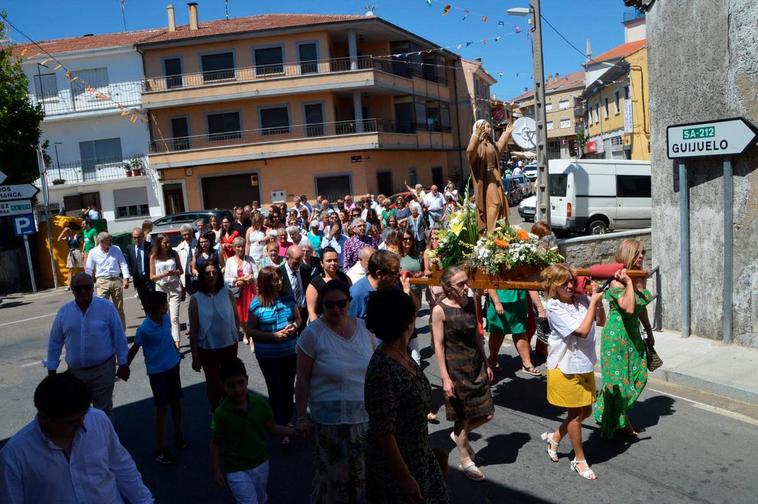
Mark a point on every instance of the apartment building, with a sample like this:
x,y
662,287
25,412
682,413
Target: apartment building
x,y
83,91
562,97
616,98
268,107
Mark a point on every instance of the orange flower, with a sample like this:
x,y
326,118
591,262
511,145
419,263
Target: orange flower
x,y
521,234
501,243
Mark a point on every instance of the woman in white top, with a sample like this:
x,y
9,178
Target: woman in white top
x,y
571,359
332,356
255,239
166,271
214,328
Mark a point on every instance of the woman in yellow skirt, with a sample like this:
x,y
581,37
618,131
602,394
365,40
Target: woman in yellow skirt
x,y
571,359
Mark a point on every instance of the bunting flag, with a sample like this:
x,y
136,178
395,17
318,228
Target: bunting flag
x,y
484,19
465,15
446,10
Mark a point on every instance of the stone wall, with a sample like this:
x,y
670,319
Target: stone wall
x,y
703,65
585,251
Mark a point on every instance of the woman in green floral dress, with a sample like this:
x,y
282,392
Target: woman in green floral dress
x,y
622,349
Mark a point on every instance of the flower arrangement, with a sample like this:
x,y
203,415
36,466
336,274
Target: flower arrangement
x,y
506,248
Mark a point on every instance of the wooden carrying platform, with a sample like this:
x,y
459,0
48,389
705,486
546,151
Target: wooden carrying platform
x,y
520,278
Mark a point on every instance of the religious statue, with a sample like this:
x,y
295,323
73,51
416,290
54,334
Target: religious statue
x,y
484,159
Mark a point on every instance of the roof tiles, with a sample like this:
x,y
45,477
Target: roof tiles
x,y
619,51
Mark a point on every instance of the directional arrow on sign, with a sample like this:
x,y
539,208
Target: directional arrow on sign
x,y
17,192
3,176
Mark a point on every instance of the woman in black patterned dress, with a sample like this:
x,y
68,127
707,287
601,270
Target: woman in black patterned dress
x,y
400,465
465,372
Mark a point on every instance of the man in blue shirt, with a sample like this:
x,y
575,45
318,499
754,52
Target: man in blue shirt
x,y
383,272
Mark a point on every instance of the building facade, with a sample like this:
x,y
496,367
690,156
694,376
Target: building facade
x,y
562,97
89,89
616,99
268,107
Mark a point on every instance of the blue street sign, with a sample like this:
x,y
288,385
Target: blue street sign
x,y
24,225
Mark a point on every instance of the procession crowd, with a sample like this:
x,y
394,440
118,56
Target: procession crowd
x,y
322,294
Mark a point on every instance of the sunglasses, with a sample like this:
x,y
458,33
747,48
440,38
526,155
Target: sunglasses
x,y
339,304
82,288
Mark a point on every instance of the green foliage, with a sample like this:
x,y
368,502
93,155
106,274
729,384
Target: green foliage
x,y
19,120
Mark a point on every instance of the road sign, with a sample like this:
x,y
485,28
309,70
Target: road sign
x,y
24,225
15,207
724,137
17,192
3,176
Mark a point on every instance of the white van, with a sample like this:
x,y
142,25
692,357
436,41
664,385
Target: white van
x,y
595,195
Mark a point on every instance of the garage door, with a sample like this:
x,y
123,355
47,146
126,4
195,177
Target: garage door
x,y
230,190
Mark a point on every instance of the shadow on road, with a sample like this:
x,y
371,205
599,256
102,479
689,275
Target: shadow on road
x,y
12,304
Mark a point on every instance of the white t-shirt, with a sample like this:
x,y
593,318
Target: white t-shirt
x,y
566,351
339,371
434,203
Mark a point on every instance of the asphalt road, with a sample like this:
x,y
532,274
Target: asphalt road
x,y
690,451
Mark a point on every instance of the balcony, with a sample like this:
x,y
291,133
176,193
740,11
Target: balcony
x,y
88,171
286,78
294,140
69,101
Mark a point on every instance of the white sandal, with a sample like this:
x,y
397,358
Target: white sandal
x,y
548,438
587,473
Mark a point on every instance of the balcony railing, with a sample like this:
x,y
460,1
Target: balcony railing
x,y
288,132
69,101
189,80
94,170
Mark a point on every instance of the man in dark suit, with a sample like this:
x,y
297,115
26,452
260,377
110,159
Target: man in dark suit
x,y
296,275
138,258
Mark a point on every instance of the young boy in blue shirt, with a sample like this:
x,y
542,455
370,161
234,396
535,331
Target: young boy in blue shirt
x,y
162,363
238,424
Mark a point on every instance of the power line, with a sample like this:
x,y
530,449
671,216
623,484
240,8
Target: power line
x,y
563,37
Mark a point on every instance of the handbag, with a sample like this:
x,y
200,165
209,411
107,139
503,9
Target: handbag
x,y
653,359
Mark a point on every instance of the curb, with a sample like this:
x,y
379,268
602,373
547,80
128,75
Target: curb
x,y
722,389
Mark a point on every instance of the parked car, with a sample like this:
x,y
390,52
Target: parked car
x,y
177,219
527,209
523,184
530,172
597,195
512,190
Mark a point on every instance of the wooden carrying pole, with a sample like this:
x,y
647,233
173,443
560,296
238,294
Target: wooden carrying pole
x,y
517,279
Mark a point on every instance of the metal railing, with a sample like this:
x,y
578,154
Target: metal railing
x,y
72,100
186,80
94,170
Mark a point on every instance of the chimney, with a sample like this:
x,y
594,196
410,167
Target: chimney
x,y
171,17
192,15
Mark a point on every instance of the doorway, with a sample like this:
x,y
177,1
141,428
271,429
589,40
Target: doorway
x,y
173,198
384,182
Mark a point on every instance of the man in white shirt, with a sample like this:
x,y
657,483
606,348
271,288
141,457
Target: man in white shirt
x,y
94,339
185,250
360,268
69,453
434,203
106,263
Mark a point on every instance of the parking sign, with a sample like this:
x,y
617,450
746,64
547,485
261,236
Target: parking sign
x,y
24,225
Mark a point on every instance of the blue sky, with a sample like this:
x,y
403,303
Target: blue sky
x,y
577,20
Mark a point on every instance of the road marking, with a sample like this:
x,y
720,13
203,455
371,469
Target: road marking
x,y
30,364
27,319
712,409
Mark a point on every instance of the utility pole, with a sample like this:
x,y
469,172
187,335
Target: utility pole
x,y
543,195
46,199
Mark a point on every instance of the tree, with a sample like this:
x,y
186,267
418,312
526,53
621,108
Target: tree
x,y
19,119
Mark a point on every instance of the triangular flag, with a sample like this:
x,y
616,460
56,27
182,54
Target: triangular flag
x,y
501,23
58,67
446,10
429,3
23,51
484,19
459,46
133,118
465,14
517,28
497,39
468,43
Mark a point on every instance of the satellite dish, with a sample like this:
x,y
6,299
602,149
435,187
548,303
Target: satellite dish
x,y
525,133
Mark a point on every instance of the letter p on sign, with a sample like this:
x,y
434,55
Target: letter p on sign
x,y
24,225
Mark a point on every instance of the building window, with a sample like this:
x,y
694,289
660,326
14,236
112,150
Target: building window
x,y
597,113
131,202
269,60
172,67
275,120
605,109
224,126
218,67
333,187
412,177
616,99
633,186
96,78
548,107
46,87
565,123
74,203
564,104
180,133
314,120
98,155
549,125
308,54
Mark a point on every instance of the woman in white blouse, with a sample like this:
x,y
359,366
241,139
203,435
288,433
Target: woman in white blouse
x,y
332,357
255,239
571,359
166,271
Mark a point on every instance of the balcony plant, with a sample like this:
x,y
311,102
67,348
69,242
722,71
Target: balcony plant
x,y
134,166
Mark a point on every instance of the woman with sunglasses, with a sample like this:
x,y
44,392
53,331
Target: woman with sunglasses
x,y
466,375
332,356
272,324
330,264
214,328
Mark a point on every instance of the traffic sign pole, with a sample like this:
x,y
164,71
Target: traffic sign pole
x,y
43,179
684,250
728,251
29,262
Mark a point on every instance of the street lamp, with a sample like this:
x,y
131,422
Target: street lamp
x,y
543,196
